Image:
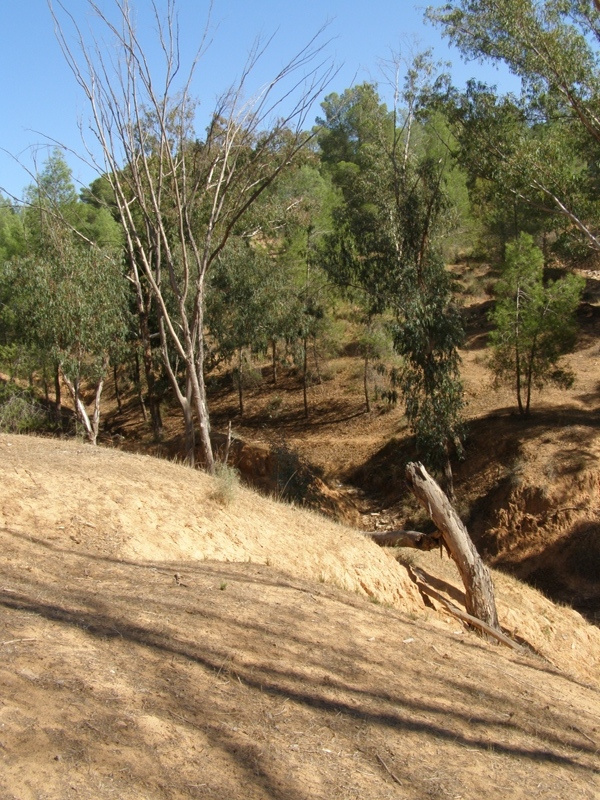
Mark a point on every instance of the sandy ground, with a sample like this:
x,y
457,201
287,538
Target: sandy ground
x,y
160,639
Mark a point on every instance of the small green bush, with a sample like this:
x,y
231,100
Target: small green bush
x,y
19,411
227,482
251,377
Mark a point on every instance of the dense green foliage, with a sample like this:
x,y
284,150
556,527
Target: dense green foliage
x,y
534,322
64,304
198,251
12,234
538,151
387,242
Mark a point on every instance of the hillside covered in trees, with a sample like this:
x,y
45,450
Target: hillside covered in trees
x,y
310,293
442,241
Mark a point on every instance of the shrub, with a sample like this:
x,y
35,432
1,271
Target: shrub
x,y
293,477
227,481
19,410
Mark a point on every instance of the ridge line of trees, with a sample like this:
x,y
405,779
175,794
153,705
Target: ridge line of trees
x,y
191,250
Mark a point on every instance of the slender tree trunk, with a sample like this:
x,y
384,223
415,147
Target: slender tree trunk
x,y
240,381
155,415
528,395
57,394
517,352
143,304
227,444
117,392
137,380
366,384
316,359
518,380
449,476
190,435
188,421
530,375
45,384
184,400
199,386
150,372
305,378
274,360
479,589
205,427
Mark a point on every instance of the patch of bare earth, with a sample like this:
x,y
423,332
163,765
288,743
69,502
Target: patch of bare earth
x,y
158,643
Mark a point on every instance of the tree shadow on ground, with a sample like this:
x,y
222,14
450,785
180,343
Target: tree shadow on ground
x,y
213,650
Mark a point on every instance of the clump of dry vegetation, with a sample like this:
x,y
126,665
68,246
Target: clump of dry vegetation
x,y
227,481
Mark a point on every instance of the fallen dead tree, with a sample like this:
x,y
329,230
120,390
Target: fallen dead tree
x,y
414,539
479,589
423,586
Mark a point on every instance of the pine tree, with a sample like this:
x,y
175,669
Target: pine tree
x,y
534,322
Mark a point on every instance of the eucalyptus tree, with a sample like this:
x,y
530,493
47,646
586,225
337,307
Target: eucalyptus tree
x,y
145,343
267,285
72,308
49,205
373,345
241,293
542,146
12,233
66,293
492,134
179,195
534,322
12,244
386,242
308,197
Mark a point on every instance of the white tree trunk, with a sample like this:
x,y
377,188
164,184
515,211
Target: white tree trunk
x,y
91,425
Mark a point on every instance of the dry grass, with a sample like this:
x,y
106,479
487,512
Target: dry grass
x,y
143,656
227,483
166,635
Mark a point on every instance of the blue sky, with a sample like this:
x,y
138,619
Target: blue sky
x,y
41,102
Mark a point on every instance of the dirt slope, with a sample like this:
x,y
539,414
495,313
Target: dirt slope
x,y
141,509
144,656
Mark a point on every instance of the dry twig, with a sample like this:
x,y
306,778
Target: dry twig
x,y
387,769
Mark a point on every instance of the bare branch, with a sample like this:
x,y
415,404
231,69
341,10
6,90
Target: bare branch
x,y
179,198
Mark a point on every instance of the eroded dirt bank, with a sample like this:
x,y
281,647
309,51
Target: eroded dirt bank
x,y
143,655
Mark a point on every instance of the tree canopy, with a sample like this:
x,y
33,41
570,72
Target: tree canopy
x,y
387,242
534,322
542,146
209,248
